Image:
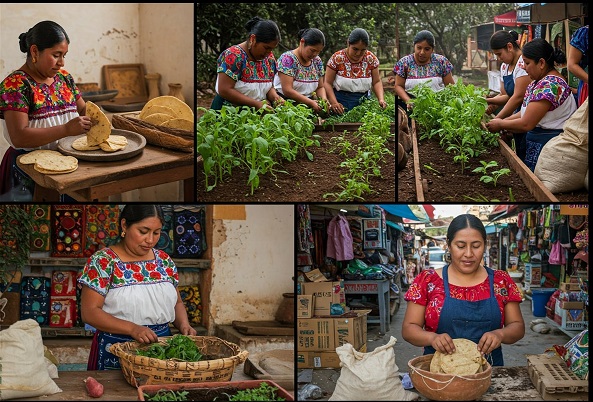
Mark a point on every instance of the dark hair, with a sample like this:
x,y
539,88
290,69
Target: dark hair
x,y
499,39
265,31
424,35
463,222
134,213
44,34
312,36
357,35
539,48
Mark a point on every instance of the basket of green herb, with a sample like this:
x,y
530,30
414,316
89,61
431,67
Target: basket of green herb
x,y
178,358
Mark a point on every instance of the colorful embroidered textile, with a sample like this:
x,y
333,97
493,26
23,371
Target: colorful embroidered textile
x,y
102,228
190,295
35,299
40,233
165,242
68,230
189,236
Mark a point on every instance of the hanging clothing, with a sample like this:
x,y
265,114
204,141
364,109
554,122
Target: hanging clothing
x,y
470,319
339,239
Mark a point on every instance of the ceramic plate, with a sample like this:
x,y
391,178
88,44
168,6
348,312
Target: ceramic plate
x,y
136,144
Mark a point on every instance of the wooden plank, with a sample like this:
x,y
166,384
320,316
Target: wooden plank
x,y
532,182
267,328
416,158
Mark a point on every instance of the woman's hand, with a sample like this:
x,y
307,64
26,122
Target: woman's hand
x,y
78,125
494,125
382,103
491,108
489,341
144,334
187,330
336,108
443,343
315,106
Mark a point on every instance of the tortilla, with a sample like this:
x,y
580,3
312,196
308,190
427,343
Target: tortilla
x,y
465,361
157,118
81,144
117,140
31,157
113,145
182,124
56,165
435,363
147,111
180,108
100,125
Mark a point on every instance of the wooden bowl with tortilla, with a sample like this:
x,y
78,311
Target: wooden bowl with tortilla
x,y
448,387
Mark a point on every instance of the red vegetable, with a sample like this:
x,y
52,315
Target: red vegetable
x,y
93,387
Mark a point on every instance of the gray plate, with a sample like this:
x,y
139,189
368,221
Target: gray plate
x,y
136,144
119,108
96,96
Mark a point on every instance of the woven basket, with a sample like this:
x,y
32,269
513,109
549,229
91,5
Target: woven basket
x,y
166,137
219,362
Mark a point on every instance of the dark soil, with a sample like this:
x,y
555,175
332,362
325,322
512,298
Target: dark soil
x,y
303,180
449,185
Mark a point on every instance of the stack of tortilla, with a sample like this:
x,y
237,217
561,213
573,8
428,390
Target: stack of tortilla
x,y
465,361
99,135
168,111
50,162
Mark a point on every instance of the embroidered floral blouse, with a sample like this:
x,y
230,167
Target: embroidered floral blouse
x,y
143,292
438,67
428,290
46,105
353,77
555,90
305,78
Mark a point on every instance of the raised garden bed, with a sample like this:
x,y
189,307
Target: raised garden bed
x,y
437,179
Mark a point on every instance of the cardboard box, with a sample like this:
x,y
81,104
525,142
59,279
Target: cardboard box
x,y
352,330
568,287
321,359
572,320
315,275
315,334
330,298
572,305
305,306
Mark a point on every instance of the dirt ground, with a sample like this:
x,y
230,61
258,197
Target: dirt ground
x,y
449,185
302,181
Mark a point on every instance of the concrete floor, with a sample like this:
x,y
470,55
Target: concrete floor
x,y
514,355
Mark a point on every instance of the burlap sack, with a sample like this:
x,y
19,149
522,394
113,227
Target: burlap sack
x,y
372,376
24,371
564,161
403,131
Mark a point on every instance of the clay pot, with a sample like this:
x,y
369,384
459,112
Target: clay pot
x,y
285,312
152,79
176,90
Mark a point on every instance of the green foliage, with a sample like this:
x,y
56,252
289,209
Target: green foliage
x,y
357,113
15,243
494,175
264,392
178,347
167,395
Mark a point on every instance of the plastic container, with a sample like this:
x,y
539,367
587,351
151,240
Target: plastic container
x,y
539,299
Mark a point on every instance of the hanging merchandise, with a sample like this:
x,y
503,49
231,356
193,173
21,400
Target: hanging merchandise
x,y
68,230
557,254
102,227
165,242
564,234
189,237
40,232
339,239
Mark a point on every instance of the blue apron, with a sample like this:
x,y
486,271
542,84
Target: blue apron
x,y
470,319
350,99
535,141
520,145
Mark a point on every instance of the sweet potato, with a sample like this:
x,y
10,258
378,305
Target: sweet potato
x,y
93,387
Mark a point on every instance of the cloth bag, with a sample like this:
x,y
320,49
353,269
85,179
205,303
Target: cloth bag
x,y
372,376
557,256
22,356
563,163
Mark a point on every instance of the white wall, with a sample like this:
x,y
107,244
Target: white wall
x,y
160,36
252,264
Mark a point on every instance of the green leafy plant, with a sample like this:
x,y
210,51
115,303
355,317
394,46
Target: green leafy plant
x,y
15,241
493,176
167,395
179,347
264,392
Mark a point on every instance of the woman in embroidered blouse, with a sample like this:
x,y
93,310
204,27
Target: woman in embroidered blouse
x,y
547,104
351,73
578,61
39,102
246,71
514,81
421,66
465,291
130,289
300,71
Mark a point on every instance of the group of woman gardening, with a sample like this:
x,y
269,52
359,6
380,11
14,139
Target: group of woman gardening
x,y
535,100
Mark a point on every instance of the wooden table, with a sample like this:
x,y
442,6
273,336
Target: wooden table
x,y
379,289
95,181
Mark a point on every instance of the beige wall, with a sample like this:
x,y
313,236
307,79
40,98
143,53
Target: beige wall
x,y
158,35
252,263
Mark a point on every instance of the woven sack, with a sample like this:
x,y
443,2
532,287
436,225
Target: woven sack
x,y
372,376
23,370
166,137
564,161
218,363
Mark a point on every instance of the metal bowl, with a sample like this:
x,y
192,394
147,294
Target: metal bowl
x,y
96,96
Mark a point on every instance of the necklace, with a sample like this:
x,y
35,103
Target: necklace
x,y
300,57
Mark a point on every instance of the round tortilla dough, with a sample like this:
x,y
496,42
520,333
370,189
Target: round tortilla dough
x,y
180,108
465,361
147,111
181,124
157,118
55,165
31,157
81,144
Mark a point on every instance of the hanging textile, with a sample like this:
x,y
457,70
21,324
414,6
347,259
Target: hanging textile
x,y
339,239
189,237
305,233
68,230
102,228
165,242
40,231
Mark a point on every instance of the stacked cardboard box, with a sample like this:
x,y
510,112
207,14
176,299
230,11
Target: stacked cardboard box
x,y
569,308
321,330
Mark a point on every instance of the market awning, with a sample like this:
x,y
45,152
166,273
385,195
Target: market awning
x,y
404,211
508,19
396,225
494,228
